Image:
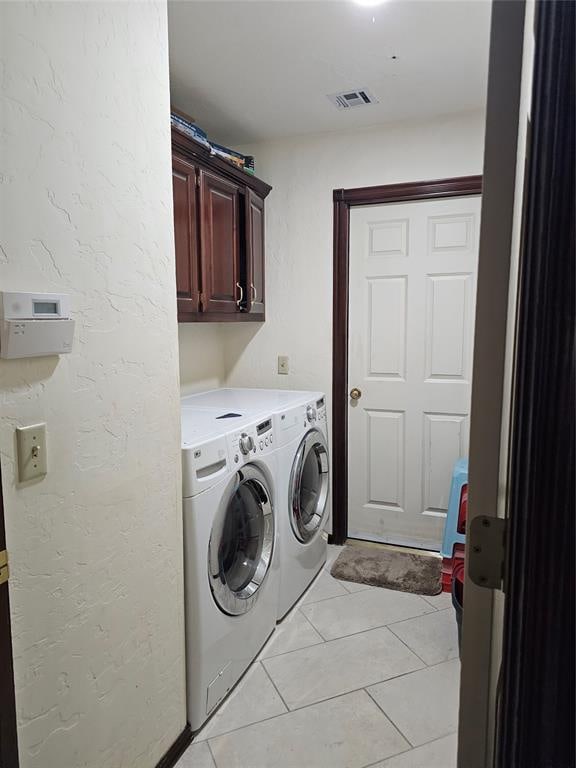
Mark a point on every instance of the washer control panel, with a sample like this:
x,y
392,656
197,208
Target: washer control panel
x,y
254,440
321,409
315,413
311,414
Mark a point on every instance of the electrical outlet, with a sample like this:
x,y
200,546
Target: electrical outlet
x,y
32,460
283,364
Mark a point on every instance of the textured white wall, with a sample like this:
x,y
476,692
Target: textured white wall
x,y
303,172
96,546
202,364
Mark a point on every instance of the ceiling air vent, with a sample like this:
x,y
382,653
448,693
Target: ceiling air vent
x,y
358,98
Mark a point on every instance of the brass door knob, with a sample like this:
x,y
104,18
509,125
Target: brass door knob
x,y
355,393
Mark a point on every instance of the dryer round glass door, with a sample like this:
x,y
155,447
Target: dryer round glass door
x,y
241,542
309,482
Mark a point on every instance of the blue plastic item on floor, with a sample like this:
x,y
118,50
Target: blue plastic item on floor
x,y
451,535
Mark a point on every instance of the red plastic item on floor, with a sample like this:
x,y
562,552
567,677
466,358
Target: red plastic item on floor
x,y
463,510
446,574
451,566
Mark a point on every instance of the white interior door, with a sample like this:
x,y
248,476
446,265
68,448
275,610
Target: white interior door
x,y
411,326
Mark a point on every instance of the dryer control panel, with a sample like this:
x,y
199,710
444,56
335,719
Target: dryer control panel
x,y
253,440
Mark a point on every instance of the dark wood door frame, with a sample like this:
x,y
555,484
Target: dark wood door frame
x,y
344,199
537,702
8,733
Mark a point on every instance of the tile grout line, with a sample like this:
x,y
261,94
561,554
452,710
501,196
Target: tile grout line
x,y
391,628
282,714
353,634
324,599
295,650
237,688
414,671
406,644
276,689
317,703
241,728
322,701
368,629
207,742
429,613
354,690
388,717
424,744
430,604
341,637
313,627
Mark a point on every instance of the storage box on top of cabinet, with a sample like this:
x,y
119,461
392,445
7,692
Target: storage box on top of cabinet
x,y
219,236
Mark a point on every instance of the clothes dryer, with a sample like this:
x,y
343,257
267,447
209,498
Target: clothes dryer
x,y
303,488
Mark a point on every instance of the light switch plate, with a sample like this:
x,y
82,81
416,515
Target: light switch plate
x,y
32,459
283,364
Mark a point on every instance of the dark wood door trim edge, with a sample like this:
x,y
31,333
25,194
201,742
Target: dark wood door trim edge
x,y
343,200
177,749
8,727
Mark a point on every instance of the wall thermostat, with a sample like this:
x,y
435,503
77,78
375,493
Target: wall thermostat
x,y
35,324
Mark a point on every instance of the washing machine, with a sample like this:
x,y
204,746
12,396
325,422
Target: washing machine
x,y
301,433
230,543
303,489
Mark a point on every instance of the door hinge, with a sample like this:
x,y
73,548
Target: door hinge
x,y
486,548
4,573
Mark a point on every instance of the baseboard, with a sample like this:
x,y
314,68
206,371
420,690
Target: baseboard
x,y
177,749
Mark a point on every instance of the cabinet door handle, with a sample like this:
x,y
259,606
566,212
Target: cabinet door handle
x,y
241,299
254,294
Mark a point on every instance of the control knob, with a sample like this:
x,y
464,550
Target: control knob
x,y
311,413
246,443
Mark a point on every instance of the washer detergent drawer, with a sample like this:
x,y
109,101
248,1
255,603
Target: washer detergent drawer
x,y
219,687
203,466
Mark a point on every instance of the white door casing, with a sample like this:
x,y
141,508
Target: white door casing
x,y
506,140
411,324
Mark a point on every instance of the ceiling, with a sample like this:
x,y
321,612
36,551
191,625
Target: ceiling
x,y
251,70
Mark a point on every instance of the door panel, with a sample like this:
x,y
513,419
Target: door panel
x,y
255,252
387,309
185,234
385,445
412,282
447,326
219,238
445,436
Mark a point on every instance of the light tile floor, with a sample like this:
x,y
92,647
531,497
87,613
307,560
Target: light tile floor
x,y
354,677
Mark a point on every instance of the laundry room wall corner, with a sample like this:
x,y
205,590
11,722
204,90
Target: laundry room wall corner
x,y
202,362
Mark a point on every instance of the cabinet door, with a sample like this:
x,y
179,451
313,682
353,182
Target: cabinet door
x,y
255,252
219,240
185,235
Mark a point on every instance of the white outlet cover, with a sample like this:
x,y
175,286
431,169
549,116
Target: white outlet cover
x,y
283,365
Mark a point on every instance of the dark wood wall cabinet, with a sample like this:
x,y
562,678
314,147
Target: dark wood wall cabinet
x,y
219,236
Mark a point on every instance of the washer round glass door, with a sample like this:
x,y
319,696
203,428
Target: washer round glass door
x,y
309,483
241,542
